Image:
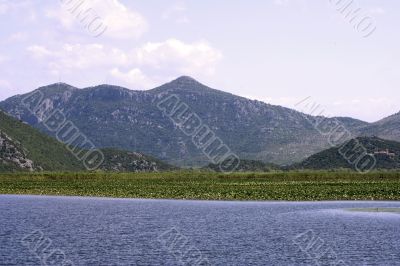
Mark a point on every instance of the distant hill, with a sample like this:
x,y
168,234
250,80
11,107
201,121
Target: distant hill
x,y
386,153
387,128
23,148
115,117
248,166
125,161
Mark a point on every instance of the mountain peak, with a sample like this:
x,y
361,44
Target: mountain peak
x,y
185,79
56,87
182,84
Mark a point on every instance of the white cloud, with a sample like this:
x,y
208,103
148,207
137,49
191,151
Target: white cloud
x,y
39,52
122,22
17,7
118,21
160,60
186,58
78,56
172,55
135,78
7,6
63,16
177,12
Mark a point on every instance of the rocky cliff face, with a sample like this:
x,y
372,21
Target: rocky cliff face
x,y
12,155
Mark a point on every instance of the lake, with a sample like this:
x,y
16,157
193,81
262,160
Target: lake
x,y
43,230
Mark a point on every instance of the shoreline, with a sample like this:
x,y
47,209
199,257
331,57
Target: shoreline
x,y
50,196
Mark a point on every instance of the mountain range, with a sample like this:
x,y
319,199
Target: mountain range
x,y
116,117
23,148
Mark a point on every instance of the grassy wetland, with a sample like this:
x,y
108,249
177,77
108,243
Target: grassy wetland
x,y
291,186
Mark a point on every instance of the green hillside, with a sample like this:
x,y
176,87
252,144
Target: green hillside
x,y
26,143
385,152
25,148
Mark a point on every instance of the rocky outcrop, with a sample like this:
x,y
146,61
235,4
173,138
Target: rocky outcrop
x,y
12,153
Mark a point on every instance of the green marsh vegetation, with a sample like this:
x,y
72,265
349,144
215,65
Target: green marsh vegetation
x,y
291,185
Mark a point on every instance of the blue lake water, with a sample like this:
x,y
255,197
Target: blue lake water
x,y
38,230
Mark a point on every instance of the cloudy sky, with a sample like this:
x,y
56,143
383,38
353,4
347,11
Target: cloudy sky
x,y
344,54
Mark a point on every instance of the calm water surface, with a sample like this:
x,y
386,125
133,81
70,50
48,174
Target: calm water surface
x,y
38,230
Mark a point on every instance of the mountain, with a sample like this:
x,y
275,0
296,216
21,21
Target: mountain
x,y
387,128
12,155
112,116
385,152
23,148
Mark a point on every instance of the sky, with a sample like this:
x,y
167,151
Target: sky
x,y
344,54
